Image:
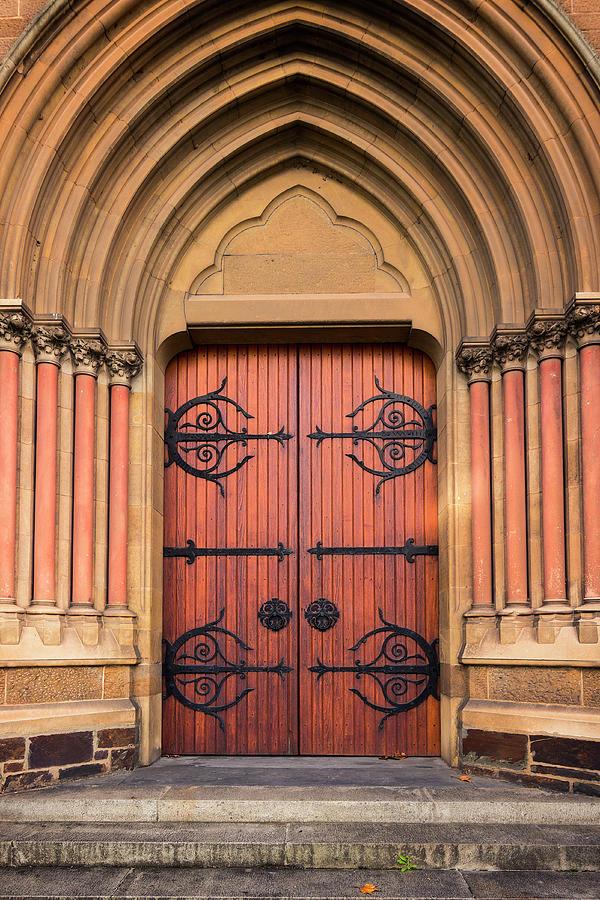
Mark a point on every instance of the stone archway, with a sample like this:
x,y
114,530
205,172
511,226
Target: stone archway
x,y
140,145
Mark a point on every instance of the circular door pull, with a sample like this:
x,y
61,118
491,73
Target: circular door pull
x,y
321,614
274,614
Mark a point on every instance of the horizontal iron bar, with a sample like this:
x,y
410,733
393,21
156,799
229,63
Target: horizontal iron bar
x,y
384,435
190,437
191,552
357,669
233,669
409,551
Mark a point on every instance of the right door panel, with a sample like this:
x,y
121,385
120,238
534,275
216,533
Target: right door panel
x,y
368,616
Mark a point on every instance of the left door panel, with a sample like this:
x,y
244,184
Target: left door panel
x,y
231,494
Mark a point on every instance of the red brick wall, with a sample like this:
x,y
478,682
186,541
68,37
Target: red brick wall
x,y
16,14
586,15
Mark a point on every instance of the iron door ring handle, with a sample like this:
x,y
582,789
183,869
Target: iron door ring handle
x,y
322,614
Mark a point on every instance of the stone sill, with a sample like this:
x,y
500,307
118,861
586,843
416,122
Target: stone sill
x,y
582,723
59,718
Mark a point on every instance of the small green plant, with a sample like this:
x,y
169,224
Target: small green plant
x,y
405,863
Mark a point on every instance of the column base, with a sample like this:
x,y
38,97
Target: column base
x,y
122,623
12,619
87,623
48,621
550,618
587,621
511,622
477,624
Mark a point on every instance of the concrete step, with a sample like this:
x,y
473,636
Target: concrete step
x,y
308,846
286,884
474,803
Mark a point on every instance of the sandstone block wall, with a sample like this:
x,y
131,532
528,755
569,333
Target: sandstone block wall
x,y
48,754
560,763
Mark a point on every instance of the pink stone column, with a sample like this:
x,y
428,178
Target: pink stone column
x,y
481,503
513,398
15,329
9,401
553,488
583,317
123,366
118,496
510,347
547,333
50,345
475,360
589,367
87,358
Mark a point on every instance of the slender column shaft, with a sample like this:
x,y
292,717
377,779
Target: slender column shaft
x,y
118,496
553,488
589,362
9,403
83,490
44,548
513,392
481,503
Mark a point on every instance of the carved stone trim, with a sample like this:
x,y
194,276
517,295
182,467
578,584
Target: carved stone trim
x,y
475,359
15,330
123,365
583,321
547,334
510,345
50,343
88,355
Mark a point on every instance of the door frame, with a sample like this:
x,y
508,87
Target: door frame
x,y
386,317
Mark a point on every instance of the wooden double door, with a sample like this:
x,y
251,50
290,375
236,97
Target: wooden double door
x,y
300,558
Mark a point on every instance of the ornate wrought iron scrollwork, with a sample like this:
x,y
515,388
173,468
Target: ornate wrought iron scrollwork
x,y
190,552
403,679
321,614
196,669
402,440
208,437
274,614
409,551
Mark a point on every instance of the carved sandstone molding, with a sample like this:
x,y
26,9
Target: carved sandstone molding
x,y
583,322
15,331
510,347
123,365
50,343
547,335
475,360
88,355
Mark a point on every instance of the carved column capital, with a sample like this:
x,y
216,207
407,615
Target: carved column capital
x,y
88,355
15,330
547,334
510,345
583,321
474,358
123,365
50,343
